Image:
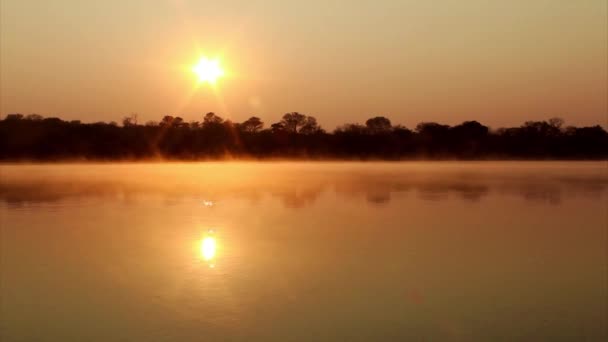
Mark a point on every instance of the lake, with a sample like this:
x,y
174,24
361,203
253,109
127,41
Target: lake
x,y
282,251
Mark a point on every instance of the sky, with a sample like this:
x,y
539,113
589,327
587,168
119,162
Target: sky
x,y
495,61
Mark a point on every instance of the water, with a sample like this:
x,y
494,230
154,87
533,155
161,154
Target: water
x,y
304,252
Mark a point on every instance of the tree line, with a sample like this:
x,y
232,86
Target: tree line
x,y
295,136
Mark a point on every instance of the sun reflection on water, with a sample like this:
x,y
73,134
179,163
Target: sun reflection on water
x,y
208,248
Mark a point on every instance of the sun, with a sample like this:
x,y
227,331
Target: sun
x,y
208,70
208,248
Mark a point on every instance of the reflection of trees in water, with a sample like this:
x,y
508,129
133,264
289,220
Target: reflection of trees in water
x,y
379,198
542,193
301,190
375,191
298,197
468,192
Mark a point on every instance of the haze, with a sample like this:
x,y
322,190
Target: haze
x,y
498,62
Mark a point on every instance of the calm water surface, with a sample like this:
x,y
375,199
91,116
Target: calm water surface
x,y
304,252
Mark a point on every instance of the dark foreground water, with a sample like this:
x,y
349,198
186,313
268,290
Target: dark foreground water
x,y
304,252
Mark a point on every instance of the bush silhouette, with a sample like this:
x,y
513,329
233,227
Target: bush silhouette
x,y
296,135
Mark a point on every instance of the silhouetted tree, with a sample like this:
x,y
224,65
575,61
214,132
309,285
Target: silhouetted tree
x,y
556,123
277,127
212,119
298,123
432,129
34,117
292,121
252,125
12,117
295,136
310,126
402,131
378,124
351,128
469,130
167,120
468,139
130,120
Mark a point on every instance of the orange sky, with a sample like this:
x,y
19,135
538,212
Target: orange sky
x,y
499,62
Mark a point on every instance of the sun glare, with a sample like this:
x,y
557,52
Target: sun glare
x,y
208,70
208,248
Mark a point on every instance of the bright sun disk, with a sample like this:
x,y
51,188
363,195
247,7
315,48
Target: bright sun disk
x,y
208,70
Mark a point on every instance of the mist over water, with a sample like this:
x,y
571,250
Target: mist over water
x,y
304,251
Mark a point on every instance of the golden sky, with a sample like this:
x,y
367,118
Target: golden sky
x,y
496,61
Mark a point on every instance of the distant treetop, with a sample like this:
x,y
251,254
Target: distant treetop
x,y
296,135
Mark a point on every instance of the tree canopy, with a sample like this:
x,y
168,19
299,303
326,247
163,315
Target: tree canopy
x,y
296,135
